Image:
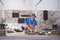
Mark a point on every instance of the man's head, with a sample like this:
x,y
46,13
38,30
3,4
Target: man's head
x,y
32,16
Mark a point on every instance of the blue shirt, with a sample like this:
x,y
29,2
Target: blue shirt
x,y
32,22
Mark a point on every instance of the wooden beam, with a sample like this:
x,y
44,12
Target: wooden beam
x,y
38,2
1,2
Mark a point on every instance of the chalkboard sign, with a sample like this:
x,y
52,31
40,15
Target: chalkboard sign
x,y
21,20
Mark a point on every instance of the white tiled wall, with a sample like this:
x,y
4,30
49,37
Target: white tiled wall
x,y
40,16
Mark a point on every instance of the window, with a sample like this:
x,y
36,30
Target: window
x,y
15,15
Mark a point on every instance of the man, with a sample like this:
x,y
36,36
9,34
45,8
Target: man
x,y
31,23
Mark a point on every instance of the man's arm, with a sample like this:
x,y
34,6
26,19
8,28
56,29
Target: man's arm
x,y
27,21
35,23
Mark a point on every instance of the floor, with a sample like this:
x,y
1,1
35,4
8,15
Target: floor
x,y
23,36
30,37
